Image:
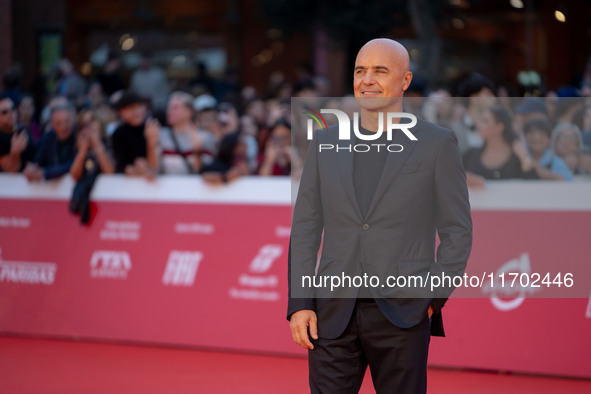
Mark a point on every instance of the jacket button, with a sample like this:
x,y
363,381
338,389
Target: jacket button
x,y
365,226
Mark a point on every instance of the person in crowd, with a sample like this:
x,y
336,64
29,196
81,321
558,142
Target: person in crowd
x,y
55,101
16,147
208,121
230,163
11,81
71,85
529,109
203,81
537,135
502,155
26,117
107,116
57,147
135,142
583,120
276,158
566,108
150,81
478,93
92,155
93,96
567,143
182,141
250,129
439,108
228,117
110,77
256,109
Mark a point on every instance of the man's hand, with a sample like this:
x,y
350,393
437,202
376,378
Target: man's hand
x,y
33,172
299,323
475,181
430,311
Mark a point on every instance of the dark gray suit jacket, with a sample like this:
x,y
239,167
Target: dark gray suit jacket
x,y
421,190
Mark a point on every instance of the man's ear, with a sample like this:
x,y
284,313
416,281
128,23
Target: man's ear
x,y
406,78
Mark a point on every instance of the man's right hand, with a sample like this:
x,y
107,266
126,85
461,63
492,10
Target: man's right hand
x,y
299,323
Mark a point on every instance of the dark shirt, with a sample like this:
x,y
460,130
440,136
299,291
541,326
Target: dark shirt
x,y
110,82
128,143
54,156
368,167
510,169
5,142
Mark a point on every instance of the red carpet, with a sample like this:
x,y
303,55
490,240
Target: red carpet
x,y
35,365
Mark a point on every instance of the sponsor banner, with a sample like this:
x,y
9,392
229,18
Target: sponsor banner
x,y
192,273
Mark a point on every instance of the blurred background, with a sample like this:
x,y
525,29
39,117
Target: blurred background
x,y
523,46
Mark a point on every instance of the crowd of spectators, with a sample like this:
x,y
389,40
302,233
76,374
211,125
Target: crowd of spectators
x,y
221,132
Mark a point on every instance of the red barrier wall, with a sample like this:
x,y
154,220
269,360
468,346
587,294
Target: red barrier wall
x,y
179,262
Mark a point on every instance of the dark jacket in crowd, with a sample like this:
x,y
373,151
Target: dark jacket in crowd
x,y
55,157
128,143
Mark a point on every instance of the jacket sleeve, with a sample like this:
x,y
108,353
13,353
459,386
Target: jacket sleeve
x,y
57,170
306,233
453,220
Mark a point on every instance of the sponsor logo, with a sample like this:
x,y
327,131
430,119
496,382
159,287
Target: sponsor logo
x,y
121,231
181,268
506,298
282,231
194,228
15,222
257,284
27,272
110,264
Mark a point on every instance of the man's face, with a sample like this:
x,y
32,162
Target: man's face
x,y
61,123
537,140
134,114
380,77
567,143
7,115
26,108
177,112
483,99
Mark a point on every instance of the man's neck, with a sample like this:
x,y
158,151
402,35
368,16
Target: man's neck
x,y
370,120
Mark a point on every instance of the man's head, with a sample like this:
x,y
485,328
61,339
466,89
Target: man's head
x,y
537,135
179,110
381,74
26,109
62,120
7,115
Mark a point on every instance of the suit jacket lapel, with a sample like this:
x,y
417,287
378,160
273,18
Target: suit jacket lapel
x,y
394,163
345,164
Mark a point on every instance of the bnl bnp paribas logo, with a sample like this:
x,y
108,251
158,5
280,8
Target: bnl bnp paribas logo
x,y
345,130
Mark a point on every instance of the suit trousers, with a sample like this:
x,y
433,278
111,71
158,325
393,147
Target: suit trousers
x,y
397,357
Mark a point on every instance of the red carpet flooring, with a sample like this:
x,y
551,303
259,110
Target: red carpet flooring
x,y
34,365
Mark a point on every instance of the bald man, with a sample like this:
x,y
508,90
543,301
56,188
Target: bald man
x,y
378,212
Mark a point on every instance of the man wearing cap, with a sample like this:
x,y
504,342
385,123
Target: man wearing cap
x,y
135,141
